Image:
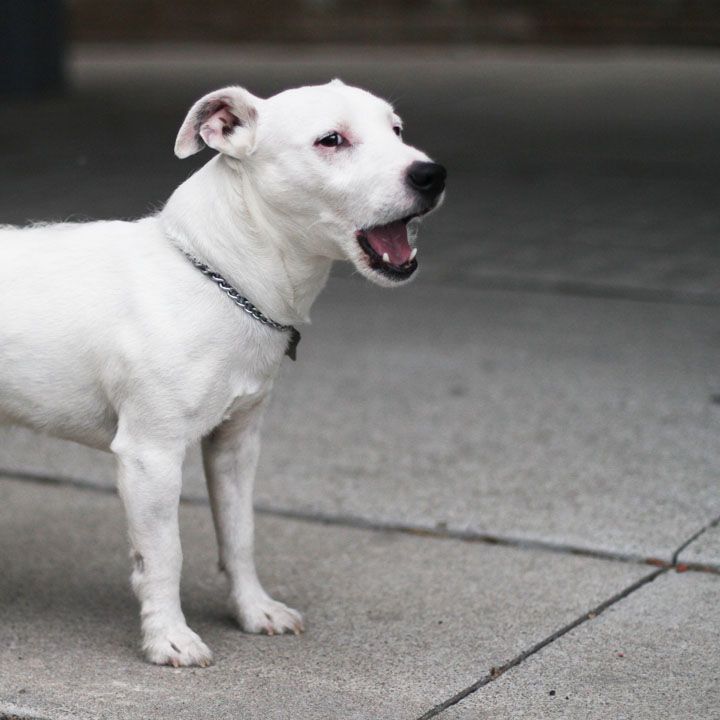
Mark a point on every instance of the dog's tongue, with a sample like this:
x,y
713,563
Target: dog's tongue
x,y
391,239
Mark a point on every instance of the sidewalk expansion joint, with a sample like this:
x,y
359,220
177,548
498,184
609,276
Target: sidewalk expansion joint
x,y
438,532
442,532
712,524
496,672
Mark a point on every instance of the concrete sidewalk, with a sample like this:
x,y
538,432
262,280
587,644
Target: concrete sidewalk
x,y
493,493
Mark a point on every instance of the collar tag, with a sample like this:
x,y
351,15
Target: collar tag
x,y
291,351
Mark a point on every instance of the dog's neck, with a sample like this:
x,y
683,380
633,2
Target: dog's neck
x,y
216,216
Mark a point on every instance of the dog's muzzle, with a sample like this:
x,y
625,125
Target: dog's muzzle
x,y
387,247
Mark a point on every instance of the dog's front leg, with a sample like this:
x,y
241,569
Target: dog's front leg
x,y
230,455
149,480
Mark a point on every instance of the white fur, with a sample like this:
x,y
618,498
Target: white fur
x,y
110,337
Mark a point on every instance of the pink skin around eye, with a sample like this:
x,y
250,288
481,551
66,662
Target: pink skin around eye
x,y
348,139
328,149
346,134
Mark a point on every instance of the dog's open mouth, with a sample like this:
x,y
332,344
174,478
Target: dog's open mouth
x,y
388,250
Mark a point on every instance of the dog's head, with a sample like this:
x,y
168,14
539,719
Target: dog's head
x,y
328,161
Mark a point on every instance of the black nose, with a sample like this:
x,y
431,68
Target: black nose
x,y
427,178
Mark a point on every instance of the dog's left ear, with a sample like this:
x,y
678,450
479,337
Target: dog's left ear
x,y
224,120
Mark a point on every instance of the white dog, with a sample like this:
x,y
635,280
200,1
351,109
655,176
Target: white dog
x,y
132,336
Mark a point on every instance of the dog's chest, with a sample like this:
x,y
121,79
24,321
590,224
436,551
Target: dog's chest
x,y
245,401
248,379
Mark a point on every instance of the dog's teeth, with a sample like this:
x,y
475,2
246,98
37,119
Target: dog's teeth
x,y
413,253
386,258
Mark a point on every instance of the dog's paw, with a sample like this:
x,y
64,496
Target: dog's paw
x,y
262,614
176,645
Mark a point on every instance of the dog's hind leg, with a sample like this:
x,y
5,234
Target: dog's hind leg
x,y
149,480
230,455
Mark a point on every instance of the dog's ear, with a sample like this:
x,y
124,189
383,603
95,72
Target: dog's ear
x,y
224,120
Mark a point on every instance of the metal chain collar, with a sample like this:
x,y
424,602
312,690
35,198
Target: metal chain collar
x,y
246,305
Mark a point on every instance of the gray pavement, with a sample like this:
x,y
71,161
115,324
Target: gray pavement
x,y
394,622
548,385
654,655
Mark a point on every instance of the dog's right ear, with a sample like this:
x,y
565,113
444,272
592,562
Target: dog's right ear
x,y
224,120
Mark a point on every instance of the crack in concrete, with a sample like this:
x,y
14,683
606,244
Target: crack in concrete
x,y
691,540
444,533
496,672
439,532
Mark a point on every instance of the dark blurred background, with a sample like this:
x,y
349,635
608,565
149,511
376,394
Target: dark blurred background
x,y
677,22
464,21
34,32
582,138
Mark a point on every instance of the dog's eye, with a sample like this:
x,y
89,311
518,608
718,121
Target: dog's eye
x,y
397,130
333,139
